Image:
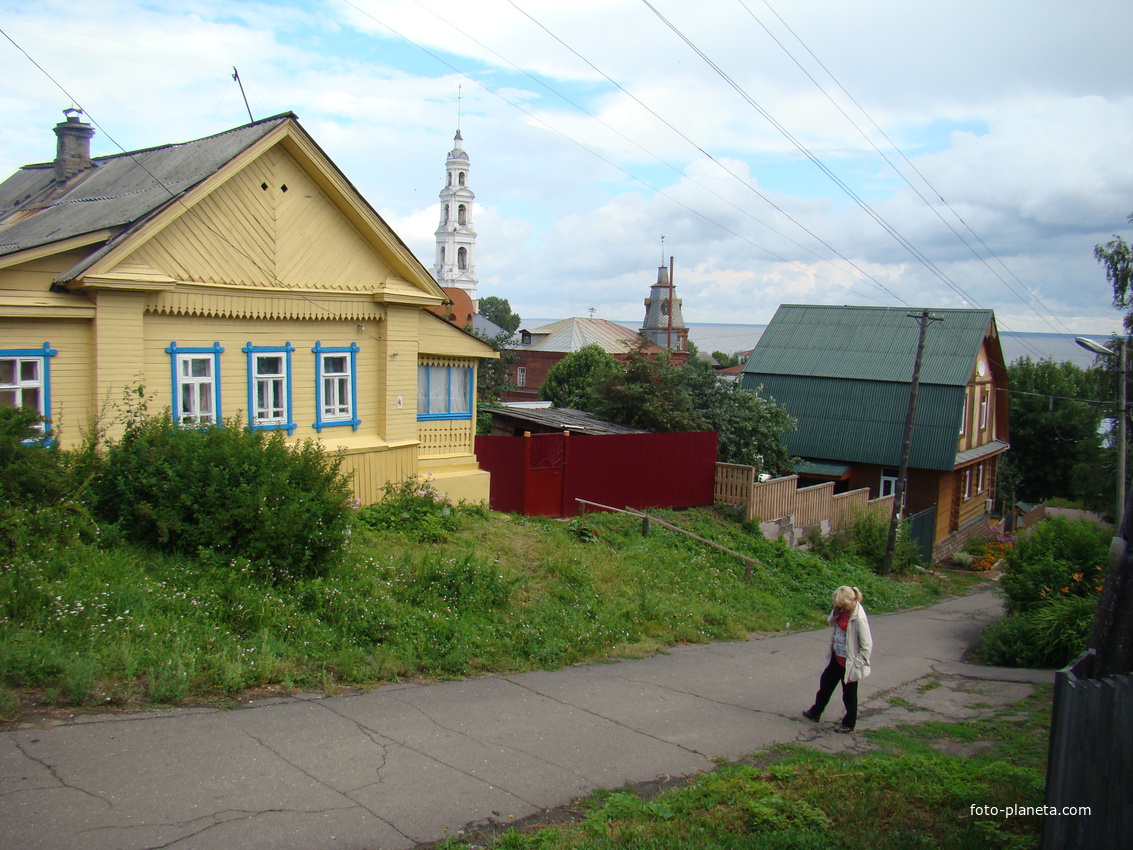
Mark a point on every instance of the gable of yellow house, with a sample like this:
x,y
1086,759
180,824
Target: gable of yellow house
x,y
240,277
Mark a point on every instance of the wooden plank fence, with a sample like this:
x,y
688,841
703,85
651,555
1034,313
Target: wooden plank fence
x,y
778,498
1090,759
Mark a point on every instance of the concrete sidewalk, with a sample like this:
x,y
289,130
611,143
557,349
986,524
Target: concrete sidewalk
x,y
407,764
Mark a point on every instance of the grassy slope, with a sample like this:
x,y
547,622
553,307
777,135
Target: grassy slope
x,y
86,627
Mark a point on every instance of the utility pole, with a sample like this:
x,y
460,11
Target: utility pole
x,y
923,318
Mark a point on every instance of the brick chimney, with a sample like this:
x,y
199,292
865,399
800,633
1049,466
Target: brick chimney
x,y
72,153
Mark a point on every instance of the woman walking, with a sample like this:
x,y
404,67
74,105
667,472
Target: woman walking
x,y
847,658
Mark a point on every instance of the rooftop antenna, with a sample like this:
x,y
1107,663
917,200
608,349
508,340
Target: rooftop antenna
x,y
592,310
239,82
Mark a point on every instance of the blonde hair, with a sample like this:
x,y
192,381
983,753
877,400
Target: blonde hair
x,y
847,598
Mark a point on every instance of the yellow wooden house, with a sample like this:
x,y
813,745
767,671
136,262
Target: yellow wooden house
x,y
238,275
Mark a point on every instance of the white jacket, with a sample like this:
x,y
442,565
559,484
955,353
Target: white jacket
x,y
859,645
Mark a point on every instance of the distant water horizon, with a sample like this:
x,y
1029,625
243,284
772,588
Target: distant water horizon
x,y
711,336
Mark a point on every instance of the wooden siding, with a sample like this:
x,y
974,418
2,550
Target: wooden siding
x,y
72,400
981,388
446,437
117,350
371,469
245,235
233,335
436,336
401,374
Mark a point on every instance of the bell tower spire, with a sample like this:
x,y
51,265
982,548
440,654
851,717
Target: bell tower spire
x,y
664,323
455,265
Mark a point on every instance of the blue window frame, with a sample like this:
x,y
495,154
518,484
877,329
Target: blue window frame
x,y
25,380
269,387
444,392
336,386
196,384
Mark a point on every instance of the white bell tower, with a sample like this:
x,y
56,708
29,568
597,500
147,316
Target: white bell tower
x,y
455,264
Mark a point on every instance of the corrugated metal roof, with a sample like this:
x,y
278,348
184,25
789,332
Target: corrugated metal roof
x,y
864,421
572,334
827,469
563,418
869,343
987,449
117,192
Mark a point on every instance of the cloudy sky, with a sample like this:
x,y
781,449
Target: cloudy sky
x,y
938,153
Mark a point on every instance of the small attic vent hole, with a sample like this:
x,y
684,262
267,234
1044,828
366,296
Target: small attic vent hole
x,y
283,188
264,186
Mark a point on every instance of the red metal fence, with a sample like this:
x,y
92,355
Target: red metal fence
x,y
543,474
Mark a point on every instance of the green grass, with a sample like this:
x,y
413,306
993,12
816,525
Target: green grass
x,y
915,790
85,626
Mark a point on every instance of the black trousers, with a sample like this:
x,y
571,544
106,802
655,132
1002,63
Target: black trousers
x,y
831,676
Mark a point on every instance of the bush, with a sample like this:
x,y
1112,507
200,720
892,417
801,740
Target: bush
x,y
1051,581
1051,636
416,508
1057,557
38,508
236,493
864,541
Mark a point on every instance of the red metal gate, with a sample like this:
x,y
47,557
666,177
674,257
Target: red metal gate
x,y
543,474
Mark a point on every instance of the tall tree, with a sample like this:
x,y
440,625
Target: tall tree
x,y
648,393
498,310
1055,415
572,381
749,428
1117,257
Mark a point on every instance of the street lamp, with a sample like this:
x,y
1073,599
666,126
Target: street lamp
x,y
1122,356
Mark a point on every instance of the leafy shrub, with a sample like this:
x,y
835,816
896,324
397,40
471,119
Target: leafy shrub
x,y
1051,636
1051,582
1057,557
864,540
38,507
228,490
413,507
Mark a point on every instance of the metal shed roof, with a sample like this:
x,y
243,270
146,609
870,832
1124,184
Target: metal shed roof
x,y
869,343
563,418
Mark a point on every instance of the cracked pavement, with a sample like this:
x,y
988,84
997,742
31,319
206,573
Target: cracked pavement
x,y
408,763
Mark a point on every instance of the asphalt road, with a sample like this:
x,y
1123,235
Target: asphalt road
x,y
409,763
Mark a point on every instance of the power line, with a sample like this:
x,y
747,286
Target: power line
x,y
866,277
909,162
825,169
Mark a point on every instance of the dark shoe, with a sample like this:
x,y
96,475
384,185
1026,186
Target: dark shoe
x,y
811,715
843,728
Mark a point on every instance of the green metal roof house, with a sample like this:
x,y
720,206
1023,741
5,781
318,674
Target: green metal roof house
x,y
845,374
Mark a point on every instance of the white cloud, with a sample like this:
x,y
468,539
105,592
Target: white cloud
x,y
1019,112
